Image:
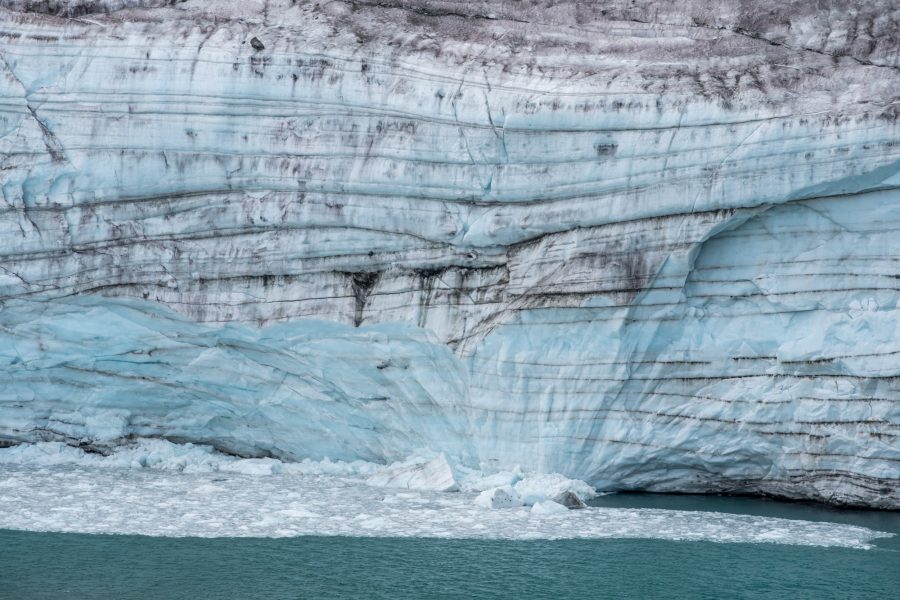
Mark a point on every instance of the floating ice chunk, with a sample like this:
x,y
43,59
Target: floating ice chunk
x,y
43,454
569,499
254,466
478,482
328,467
499,497
163,455
435,475
299,511
166,456
372,523
533,489
553,486
548,508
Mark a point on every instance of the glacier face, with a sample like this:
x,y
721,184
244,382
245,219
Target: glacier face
x,y
648,247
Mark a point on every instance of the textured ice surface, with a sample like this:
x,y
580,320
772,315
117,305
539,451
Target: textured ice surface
x,y
297,390
191,491
551,486
649,245
499,497
434,475
548,508
161,455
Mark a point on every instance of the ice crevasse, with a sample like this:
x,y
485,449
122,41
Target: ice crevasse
x,y
648,246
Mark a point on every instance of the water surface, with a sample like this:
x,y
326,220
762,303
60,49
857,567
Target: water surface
x,y
54,565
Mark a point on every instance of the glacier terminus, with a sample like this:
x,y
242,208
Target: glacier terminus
x,y
647,245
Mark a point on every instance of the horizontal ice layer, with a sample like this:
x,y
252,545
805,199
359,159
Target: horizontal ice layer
x,y
766,361
211,495
776,381
386,165
646,246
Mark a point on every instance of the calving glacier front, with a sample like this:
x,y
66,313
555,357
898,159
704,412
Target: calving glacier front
x,y
634,245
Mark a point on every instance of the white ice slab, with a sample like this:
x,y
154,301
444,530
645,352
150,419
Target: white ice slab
x,y
499,497
434,475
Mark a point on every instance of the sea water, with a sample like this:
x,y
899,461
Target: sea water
x,y
38,565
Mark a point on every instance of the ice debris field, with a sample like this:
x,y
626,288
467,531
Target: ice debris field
x,y
157,488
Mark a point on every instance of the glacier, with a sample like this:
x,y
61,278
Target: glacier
x,y
648,246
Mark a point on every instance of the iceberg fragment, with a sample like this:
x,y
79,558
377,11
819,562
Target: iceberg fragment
x,y
534,489
473,480
435,475
499,497
548,508
539,487
569,499
163,455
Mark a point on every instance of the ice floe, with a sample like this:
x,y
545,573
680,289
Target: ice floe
x,y
161,489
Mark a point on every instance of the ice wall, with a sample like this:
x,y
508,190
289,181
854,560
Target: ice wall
x,y
647,246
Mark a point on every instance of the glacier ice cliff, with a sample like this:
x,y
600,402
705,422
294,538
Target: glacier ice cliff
x,y
650,246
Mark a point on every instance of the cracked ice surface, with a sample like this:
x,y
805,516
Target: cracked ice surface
x,y
161,490
649,245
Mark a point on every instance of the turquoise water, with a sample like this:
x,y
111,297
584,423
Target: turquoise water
x,y
50,565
